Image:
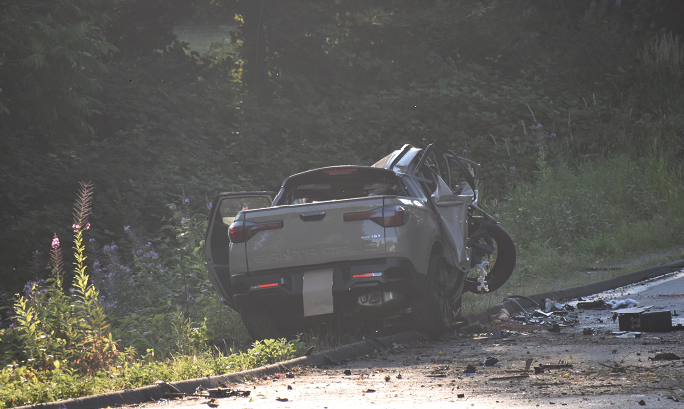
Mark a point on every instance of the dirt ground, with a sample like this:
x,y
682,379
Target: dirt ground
x,y
575,357
589,368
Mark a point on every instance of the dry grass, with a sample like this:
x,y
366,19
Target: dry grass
x,y
663,52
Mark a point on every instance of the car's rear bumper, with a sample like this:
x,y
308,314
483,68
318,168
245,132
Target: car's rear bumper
x,y
394,279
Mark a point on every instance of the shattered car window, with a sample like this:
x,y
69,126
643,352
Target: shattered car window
x,y
231,207
325,185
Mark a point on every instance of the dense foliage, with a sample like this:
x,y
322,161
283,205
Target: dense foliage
x,y
574,108
102,90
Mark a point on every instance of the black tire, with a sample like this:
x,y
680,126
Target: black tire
x,y
434,312
489,241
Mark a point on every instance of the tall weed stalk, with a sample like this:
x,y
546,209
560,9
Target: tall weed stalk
x,y
58,329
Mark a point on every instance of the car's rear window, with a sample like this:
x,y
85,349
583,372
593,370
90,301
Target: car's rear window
x,y
339,183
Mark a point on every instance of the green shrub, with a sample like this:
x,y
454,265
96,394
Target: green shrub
x,y
24,385
160,298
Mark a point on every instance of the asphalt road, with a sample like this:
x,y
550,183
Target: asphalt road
x,y
585,362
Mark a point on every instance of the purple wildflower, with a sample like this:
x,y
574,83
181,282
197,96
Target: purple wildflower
x,y
553,135
209,206
186,201
512,169
539,126
127,228
55,242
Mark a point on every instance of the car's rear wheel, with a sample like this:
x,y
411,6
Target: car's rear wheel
x,y
435,311
490,244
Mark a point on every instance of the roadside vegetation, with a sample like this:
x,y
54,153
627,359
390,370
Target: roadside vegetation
x,y
599,220
575,112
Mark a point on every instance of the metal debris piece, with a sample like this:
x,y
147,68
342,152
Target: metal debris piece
x,y
628,334
528,364
490,361
509,378
666,356
483,269
470,371
626,303
226,392
551,306
542,367
592,305
654,321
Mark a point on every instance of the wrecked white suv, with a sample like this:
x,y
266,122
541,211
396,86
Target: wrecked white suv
x,y
402,239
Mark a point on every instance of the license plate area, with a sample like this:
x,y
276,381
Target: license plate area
x,y
317,292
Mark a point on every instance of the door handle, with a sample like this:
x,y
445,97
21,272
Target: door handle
x,y
312,217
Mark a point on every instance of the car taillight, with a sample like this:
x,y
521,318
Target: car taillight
x,y
269,285
240,232
387,216
367,275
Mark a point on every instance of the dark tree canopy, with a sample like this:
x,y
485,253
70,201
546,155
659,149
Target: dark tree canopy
x,y
102,90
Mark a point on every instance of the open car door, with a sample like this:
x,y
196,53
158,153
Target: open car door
x,y
454,191
453,211
224,209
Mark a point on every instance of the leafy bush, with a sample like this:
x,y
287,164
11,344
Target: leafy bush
x,y
54,329
24,385
160,298
569,207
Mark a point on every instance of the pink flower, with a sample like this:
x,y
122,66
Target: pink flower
x,y
55,242
77,227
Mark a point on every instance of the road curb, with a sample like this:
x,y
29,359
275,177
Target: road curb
x,y
159,391
509,306
336,356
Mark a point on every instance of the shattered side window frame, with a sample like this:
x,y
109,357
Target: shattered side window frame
x,y
414,189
